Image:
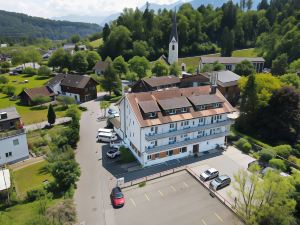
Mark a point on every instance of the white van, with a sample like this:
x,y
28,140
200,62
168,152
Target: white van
x,y
106,137
104,130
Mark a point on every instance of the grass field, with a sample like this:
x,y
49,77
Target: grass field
x,y
194,60
97,43
23,213
31,177
29,114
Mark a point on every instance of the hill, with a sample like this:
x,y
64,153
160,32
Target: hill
x,y
15,26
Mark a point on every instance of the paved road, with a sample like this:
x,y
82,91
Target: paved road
x,y
41,125
92,194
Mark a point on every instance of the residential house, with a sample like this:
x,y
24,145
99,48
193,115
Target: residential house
x,y
21,67
100,67
156,83
230,62
82,87
5,58
159,126
28,95
3,45
69,47
13,139
48,54
82,47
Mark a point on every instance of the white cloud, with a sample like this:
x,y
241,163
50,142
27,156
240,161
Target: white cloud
x,y
52,8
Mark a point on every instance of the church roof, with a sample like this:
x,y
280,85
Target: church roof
x,y
174,28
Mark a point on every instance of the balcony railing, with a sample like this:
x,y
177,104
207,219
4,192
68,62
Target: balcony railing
x,y
185,143
11,133
154,136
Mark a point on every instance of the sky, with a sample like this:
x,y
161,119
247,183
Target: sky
x,y
56,8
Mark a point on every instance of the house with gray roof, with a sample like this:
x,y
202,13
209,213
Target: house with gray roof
x,y
230,62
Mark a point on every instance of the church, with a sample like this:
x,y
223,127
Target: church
x,y
173,43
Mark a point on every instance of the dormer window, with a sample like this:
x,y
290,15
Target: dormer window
x,y
152,114
216,105
201,107
184,109
172,111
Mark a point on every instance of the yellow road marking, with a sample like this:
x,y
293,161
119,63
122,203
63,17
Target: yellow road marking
x,y
219,217
185,184
133,203
162,195
173,188
203,222
147,197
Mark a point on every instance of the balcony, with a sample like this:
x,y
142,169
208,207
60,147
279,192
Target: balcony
x,y
184,143
7,134
152,137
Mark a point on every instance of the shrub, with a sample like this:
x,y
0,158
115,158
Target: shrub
x,y
278,164
63,212
35,194
143,184
44,71
9,90
38,142
232,137
243,145
82,108
283,150
29,71
266,155
126,155
3,80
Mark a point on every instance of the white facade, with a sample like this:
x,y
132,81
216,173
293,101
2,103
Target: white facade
x,y
14,148
157,144
173,51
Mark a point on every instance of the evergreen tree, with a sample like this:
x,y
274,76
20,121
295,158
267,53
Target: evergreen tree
x,y
227,42
111,79
174,69
280,65
249,4
263,5
249,104
51,115
106,32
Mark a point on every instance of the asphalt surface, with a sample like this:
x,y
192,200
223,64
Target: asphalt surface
x,y
175,199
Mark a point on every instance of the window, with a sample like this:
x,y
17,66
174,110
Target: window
x,y
184,123
200,133
184,109
149,157
201,120
201,107
170,153
216,105
183,135
172,140
173,47
183,149
8,154
154,129
172,111
152,114
154,143
172,126
156,155
16,142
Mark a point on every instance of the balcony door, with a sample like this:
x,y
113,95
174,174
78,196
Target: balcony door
x,y
196,148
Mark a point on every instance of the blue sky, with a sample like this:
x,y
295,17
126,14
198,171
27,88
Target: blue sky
x,y
53,8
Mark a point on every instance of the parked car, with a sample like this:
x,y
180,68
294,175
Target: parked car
x,y
116,144
209,174
117,197
105,130
112,113
220,182
113,153
106,137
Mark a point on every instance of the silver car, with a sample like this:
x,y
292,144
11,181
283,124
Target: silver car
x,y
209,174
220,182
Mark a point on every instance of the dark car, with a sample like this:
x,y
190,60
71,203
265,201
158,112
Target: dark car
x,y
117,197
220,182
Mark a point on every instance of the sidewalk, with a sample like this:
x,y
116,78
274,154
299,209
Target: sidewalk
x,y
37,126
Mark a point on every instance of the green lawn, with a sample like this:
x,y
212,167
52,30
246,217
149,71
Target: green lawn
x,y
245,53
23,213
97,43
29,114
30,177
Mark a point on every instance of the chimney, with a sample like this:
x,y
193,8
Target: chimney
x,y
3,115
213,82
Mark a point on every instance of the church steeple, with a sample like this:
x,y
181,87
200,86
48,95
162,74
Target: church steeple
x,y
173,43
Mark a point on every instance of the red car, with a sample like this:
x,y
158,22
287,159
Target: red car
x,y
117,197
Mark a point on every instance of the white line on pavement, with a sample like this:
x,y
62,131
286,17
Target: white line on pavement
x,y
185,184
147,197
173,188
133,203
162,195
203,221
219,217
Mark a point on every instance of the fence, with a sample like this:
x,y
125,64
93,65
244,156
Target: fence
x,y
153,177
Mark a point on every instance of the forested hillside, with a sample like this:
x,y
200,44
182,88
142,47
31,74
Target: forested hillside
x,y
16,26
273,28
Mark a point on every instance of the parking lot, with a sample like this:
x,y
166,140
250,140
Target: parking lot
x,y
174,199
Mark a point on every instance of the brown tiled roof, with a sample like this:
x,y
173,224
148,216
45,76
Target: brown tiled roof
x,y
174,103
101,65
39,91
204,99
229,60
55,80
164,80
149,106
70,80
135,98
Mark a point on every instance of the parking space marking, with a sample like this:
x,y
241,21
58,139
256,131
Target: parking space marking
x,y
185,184
147,197
203,221
162,194
219,217
133,202
173,188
